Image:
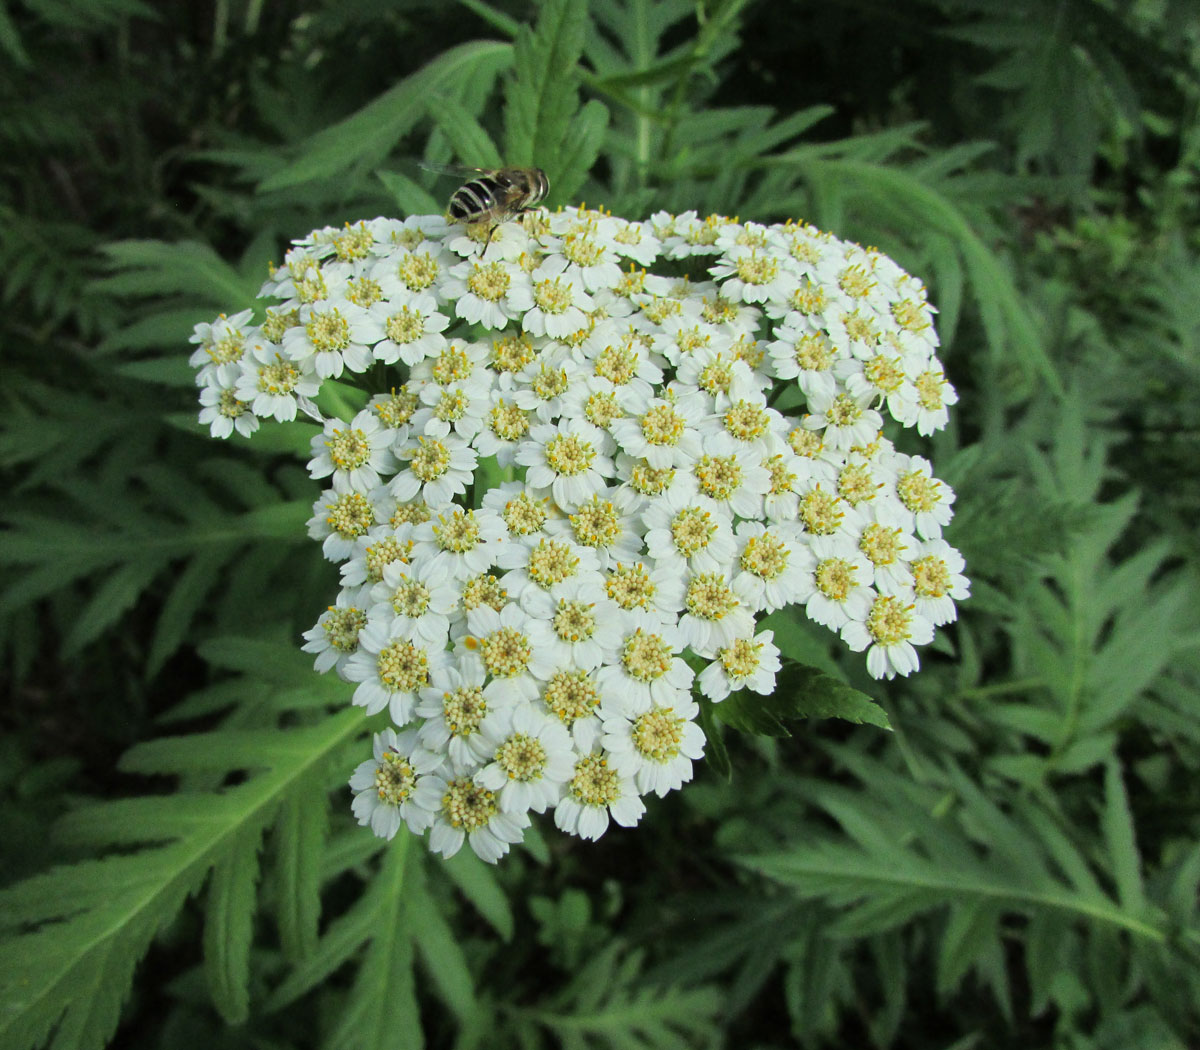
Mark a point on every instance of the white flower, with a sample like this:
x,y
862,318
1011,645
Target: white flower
x,y
881,376
840,582
890,628
270,384
334,637
845,421
877,530
461,810
391,670
406,328
541,385
381,546
222,345
753,275
678,338
773,565
663,499
733,478
926,499
566,460
222,412
722,375
439,469
524,513
665,432
502,641
422,269
455,704
339,518
688,530
417,598
744,426
635,241
579,627
743,664
552,303
385,786
504,427
604,523
465,541
483,291
808,357
645,669
324,337
357,453
934,396
457,408
654,590
544,567
595,791
938,582
656,747
531,758
714,613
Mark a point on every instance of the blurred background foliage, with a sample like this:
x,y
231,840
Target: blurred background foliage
x,y
1016,865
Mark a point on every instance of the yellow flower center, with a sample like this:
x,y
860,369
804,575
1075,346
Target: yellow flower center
x,y
630,586
569,454
571,696
835,578
350,515
489,281
657,734
551,562
523,758
459,534
594,783
403,667
405,325
395,779
646,656
692,529
467,806
889,620
506,653
328,331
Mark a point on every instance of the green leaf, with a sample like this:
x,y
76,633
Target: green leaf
x,y
300,836
381,1011
542,97
715,752
227,926
800,692
477,882
580,149
1117,822
411,198
473,146
366,136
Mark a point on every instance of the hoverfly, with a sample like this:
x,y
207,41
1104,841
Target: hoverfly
x,y
494,195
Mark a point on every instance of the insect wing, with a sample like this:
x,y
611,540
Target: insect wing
x,y
457,170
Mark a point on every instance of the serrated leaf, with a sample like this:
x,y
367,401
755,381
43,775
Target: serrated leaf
x,y
473,146
367,136
227,926
800,692
541,97
580,149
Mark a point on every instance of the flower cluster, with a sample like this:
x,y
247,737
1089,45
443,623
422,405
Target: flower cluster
x,y
577,494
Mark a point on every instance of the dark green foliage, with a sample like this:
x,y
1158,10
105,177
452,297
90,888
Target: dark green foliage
x,y
1014,864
